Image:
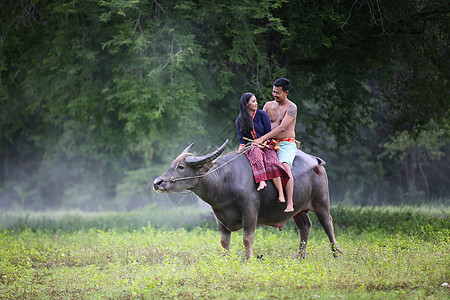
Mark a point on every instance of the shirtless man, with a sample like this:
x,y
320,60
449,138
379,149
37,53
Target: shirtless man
x,y
283,115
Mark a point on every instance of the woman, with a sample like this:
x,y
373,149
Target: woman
x,y
252,124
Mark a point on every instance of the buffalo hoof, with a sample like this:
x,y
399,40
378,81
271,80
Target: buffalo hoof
x,y
336,251
301,255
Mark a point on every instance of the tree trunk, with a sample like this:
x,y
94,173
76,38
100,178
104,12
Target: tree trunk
x,y
410,165
425,180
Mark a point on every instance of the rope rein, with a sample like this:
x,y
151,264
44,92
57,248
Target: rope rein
x,y
247,147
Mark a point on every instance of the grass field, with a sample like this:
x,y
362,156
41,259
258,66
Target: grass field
x,y
388,253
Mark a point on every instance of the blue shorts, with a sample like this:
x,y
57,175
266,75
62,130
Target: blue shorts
x,y
286,152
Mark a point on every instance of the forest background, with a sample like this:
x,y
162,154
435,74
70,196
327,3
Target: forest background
x,y
98,97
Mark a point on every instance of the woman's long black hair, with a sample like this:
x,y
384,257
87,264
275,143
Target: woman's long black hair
x,y
244,120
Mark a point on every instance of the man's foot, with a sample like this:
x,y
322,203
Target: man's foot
x,y
262,185
289,209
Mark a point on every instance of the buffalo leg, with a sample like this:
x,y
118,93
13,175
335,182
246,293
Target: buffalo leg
x,y
249,235
303,224
225,236
327,223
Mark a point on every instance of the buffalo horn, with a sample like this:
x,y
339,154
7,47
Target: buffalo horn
x,y
199,161
188,148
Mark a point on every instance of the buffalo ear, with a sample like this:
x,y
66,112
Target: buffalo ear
x,y
194,161
188,148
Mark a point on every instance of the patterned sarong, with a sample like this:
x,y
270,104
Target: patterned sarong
x,y
266,165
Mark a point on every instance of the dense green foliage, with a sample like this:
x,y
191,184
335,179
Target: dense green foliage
x,y
86,260
96,97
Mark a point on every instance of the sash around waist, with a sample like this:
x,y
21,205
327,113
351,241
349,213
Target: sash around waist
x,y
290,140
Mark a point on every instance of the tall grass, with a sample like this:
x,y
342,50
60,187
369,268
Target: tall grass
x,y
70,221
406,220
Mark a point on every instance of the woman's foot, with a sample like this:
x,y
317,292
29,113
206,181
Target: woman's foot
x,y
281,198
262,185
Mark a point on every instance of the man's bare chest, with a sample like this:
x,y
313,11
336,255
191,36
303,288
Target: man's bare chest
x,y
276,115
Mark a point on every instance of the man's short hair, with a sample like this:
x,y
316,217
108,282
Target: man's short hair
x,y
284,83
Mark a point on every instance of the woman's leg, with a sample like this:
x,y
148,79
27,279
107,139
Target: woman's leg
x,y
256,159
262,184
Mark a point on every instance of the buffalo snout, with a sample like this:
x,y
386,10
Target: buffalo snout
x,y
158,184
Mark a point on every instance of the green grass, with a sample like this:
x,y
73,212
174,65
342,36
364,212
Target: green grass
x,y
388,253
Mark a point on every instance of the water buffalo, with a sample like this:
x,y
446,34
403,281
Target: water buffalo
x,y
227,184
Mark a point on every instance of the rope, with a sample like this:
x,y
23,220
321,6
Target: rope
x,y
247,147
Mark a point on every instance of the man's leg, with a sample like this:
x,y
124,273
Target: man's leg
x,y
289,189
279,186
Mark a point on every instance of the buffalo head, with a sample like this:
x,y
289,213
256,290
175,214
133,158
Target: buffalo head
x,y
185,171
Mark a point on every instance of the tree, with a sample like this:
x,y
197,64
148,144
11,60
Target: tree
x,y
113,87
121,73
416,152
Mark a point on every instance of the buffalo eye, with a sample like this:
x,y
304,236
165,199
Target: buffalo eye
x,y
180,167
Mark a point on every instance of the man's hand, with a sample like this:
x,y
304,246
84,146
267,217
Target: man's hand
x,y
259,143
